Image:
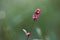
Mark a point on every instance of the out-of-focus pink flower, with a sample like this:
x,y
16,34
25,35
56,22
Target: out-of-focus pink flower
x,y
37,11
28,34
35,17
36,14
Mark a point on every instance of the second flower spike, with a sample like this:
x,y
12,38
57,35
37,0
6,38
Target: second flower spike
x,y
27,34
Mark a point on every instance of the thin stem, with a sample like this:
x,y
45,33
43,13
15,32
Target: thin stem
x,y
27,38
32,25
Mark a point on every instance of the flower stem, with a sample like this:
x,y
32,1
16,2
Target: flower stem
x,y
27,38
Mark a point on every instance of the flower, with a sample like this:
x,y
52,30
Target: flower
x,y
26,33
36,14
37,11
35,17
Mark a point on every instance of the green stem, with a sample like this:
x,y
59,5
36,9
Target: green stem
x,y
27,38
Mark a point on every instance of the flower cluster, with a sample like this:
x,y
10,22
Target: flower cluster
x,y
36,14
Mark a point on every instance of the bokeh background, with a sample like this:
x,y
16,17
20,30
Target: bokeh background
x,y
16,15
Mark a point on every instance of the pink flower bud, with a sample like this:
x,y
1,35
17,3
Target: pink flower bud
x,y
28,34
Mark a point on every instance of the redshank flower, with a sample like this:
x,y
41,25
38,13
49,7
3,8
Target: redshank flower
x,y
26,33
35,17
36,14
37,11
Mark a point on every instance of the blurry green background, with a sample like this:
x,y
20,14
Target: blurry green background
x,y
16,15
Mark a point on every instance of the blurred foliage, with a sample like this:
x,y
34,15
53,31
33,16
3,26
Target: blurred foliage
x,y
16,15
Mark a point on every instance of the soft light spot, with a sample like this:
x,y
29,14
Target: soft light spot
x,y
37,39
8,27
18,19
2,14
38,30
47,38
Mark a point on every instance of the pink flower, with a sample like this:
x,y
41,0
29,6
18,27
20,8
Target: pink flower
x,y
37,11
36,14
28,34
35,17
